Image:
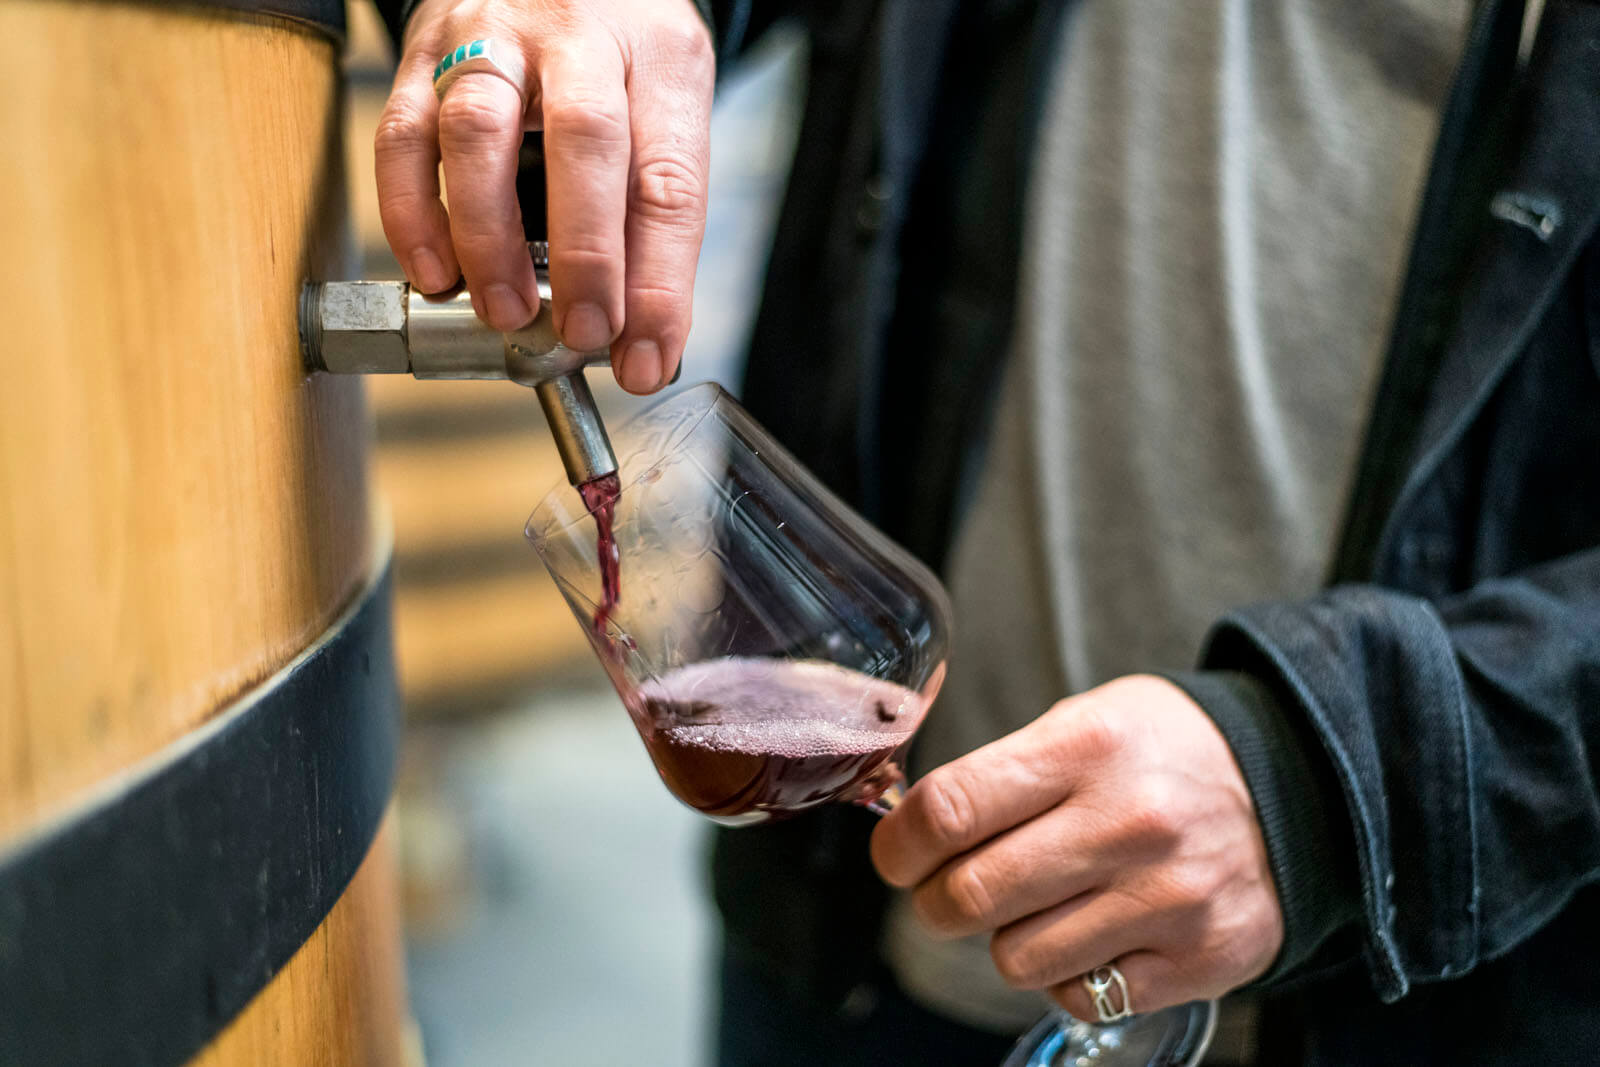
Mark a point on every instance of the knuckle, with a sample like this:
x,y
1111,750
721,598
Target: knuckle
x,y
1190,888
1014,962
468,115
685,45
587,261
1098,735
685,38
579,119
404,203
947,811
663,306
1153,820
407,218
667,190
488,226
970,900
400,130
480,247
1184,897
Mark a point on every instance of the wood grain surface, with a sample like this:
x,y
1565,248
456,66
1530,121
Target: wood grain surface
x,y
182,509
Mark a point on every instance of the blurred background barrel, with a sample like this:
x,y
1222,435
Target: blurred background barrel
x,y
182,509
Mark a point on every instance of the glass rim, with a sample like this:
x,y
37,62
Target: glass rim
x,y
714,393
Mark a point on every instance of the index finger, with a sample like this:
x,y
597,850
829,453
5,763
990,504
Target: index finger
x,y
966,802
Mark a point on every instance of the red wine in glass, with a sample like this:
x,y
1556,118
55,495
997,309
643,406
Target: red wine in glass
x,y
743,736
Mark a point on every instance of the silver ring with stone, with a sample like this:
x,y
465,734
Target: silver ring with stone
x,y
486,55
1109,991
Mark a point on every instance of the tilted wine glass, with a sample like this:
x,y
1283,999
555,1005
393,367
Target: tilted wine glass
x,y
774,650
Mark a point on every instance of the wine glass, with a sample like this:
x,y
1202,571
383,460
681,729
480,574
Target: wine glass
x,y
773,649
1172,1037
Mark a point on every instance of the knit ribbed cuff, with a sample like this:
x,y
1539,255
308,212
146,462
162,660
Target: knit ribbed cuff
x,y
1300,808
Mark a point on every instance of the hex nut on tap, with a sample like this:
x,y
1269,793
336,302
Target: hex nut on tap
x,y
360,328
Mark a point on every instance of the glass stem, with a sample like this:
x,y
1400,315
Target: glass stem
x,y
888,800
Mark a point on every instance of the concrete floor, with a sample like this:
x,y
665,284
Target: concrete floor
x,y
588,939
556,897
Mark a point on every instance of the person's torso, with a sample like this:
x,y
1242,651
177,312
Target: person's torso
x,y
1219,209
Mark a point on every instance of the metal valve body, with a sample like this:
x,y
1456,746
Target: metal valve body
x,y
367,327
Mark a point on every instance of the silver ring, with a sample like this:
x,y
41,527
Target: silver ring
x,y
1106,988
487,56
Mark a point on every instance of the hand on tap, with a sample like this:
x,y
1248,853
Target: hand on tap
x,y
622,91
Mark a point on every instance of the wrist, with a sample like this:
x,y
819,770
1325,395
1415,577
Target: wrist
x,y
1299,806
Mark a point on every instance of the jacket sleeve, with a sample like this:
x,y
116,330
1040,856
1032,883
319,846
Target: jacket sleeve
x,y
738,24
394,14
1463,736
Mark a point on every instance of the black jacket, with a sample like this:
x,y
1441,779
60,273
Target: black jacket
x,y
1422,738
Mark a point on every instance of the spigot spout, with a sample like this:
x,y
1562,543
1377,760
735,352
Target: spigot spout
x,y
576,426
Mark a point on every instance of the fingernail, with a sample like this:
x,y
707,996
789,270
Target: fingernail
x,y
586,328
507,310
427,272
641,367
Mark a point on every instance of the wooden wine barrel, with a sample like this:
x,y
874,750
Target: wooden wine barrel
x,y
197,704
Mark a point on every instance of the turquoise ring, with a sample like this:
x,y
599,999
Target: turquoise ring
x,y
486,56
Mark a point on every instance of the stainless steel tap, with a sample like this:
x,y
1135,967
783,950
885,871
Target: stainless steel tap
x,y
390,328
